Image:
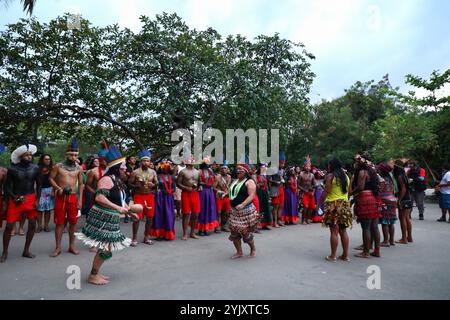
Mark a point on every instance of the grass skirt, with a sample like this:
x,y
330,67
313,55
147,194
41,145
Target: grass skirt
x,y
102,230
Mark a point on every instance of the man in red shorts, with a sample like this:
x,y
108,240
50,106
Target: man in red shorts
x,y
188,182
307,189
64,178
143,180
23,190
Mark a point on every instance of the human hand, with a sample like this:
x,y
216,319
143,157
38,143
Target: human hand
x,y
123,210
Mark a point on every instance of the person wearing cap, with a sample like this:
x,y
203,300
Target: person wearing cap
x,y
163,227
102,228
64,178
263,197
207,219
307,190
243,218
222,182
143,181
188,182
23,190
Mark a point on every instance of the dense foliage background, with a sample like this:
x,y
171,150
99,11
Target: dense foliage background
x,y
132,89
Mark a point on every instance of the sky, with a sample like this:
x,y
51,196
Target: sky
x,y
353,40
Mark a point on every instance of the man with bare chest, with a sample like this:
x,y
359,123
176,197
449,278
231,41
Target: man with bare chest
x,y
188,182
143,181
222,181
23,189
307,189
64,178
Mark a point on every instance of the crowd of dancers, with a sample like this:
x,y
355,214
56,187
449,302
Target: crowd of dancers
x,y
213,198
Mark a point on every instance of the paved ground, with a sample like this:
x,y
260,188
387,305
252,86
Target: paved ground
x,y
290,265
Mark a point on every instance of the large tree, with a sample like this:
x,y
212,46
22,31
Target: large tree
x,y
110,83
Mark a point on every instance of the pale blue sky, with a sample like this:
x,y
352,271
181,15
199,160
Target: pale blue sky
x,y
351,39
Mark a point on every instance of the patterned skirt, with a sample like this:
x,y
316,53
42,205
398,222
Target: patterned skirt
x,y
368,206
244,221
389,209
338,213
46,201
102,230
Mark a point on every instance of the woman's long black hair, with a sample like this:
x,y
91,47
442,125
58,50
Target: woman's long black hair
x,y
337,171
115,171
373,183
41,161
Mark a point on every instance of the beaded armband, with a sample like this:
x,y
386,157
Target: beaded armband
x,y
104,192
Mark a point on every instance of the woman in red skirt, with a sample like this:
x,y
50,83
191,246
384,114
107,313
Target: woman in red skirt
x,y
368,204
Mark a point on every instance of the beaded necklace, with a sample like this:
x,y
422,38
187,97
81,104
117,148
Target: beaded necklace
x,y
235,188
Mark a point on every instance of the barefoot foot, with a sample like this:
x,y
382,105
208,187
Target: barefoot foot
x,y
4,257
193,236
28,255
97,280
184,238
236,256
73,251
55,253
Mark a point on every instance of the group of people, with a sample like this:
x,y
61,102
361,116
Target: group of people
x,y
212,198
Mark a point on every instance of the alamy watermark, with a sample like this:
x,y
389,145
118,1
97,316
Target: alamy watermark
x,y
374,280
73,281
257,145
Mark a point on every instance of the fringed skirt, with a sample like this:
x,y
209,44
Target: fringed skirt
x,y
338,213
368,206
102,230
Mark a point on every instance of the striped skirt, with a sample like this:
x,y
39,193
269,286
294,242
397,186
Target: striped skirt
x,y
389,209
102,230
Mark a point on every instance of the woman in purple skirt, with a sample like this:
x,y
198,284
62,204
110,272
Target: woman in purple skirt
x,y
289,214
164,220
207,219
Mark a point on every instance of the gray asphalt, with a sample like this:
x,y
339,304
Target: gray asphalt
x,y
290,265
